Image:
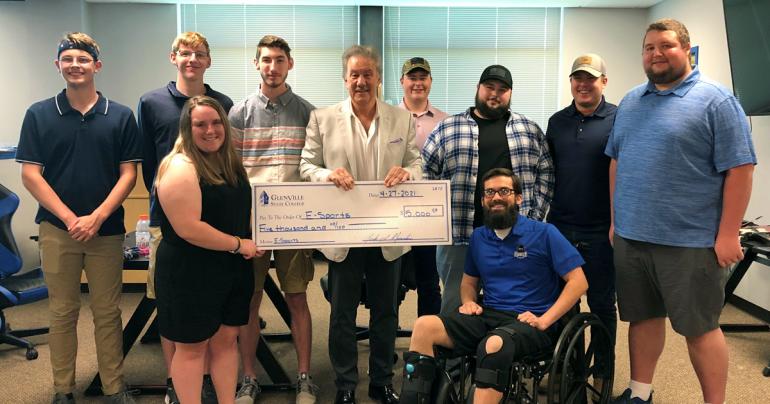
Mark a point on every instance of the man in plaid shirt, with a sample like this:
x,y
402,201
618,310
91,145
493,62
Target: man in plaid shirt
x,y
486,136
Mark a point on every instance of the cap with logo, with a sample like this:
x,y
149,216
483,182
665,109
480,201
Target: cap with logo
x,y
590,63
415,63
497,72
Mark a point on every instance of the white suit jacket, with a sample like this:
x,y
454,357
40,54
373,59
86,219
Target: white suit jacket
x,y
329,145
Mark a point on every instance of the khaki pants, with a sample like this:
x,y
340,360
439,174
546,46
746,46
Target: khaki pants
x,y
62,260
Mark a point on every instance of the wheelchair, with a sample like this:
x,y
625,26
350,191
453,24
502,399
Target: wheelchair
x,y
570,368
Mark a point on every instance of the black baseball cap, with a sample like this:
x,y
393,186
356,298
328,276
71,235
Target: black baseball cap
x,y
497,72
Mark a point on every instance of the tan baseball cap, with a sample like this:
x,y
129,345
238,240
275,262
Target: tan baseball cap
x,y
591,63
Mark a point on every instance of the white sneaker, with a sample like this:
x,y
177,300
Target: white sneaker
x,y
248,392
306,389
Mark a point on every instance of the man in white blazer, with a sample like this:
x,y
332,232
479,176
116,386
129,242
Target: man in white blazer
x,y
362,139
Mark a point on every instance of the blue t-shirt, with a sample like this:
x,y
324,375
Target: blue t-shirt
x,y
80,154
523,271
673,148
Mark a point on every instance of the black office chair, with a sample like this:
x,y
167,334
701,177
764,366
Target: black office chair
x,y
16,290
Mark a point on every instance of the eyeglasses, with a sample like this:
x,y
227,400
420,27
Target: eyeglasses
x,y
188,54
503,192
82,60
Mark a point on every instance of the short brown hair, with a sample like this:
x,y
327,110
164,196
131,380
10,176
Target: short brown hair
x,y
670,24
191,39
272,41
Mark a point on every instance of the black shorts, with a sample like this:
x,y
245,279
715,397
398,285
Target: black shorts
x,y
198,290
467,331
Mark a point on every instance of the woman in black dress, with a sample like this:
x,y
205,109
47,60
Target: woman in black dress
x,y
203,278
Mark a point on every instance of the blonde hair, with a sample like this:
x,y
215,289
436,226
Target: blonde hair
x,y
222,167
191,39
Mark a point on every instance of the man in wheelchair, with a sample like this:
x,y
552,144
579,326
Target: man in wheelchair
x,y
519,262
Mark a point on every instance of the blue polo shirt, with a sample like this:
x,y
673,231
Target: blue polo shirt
x,y
581,198
158,114
523,271
673,148
80,154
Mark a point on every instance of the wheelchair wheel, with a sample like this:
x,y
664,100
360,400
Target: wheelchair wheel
x,y
458,389
574,363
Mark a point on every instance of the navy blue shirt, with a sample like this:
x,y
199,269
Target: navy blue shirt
x,y
80,154
581,198
158,113
521,272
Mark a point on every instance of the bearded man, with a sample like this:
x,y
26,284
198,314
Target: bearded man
x,y
486,136
520,262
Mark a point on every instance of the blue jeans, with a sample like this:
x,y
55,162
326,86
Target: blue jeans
x,y
596,250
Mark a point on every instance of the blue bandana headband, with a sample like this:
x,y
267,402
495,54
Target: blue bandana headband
x,y
66,44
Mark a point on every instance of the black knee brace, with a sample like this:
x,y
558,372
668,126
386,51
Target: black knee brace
x,y
493,369
419,373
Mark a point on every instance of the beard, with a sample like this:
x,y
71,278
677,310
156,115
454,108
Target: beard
x,y
275,84
669,75
489,112
501,219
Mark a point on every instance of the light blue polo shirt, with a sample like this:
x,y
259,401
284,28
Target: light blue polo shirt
x,y
523,271
673,148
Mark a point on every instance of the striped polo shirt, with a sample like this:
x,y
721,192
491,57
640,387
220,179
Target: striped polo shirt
x,y
269,136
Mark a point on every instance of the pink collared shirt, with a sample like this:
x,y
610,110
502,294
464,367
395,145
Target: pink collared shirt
x,y
425,121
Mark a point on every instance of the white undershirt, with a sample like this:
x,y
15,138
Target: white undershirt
x,y
503,233
365,147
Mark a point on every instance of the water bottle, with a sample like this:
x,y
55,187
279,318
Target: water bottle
x,y
143,235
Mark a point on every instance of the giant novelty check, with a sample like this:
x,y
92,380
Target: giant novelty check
x,y
320,215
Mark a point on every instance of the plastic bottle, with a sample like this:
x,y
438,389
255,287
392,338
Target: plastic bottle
x,y
143,235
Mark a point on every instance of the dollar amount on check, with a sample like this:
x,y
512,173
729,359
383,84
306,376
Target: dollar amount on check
x,y
320,215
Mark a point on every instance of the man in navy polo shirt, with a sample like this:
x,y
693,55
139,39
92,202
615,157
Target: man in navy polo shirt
x,y
520,262
681,169
78,152
580,209
158,114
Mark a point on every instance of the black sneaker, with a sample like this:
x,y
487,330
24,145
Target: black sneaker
x,y
625,398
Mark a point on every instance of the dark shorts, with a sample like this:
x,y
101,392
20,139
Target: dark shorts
x,y
466,332
197,291
685,284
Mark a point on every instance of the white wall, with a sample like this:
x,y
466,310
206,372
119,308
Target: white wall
x,y
706,23
135,41
614,34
